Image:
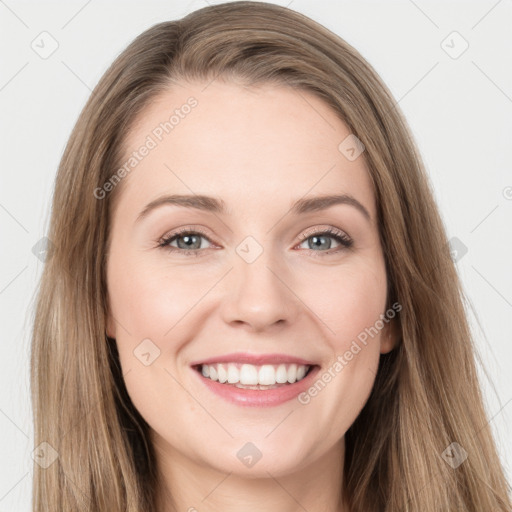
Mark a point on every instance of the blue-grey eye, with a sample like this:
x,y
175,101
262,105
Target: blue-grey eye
x,y
187,241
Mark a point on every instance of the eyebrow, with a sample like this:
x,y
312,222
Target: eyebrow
x,y
214,205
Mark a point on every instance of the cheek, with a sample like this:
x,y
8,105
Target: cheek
x,y
150,307
351,303
349,300
148,300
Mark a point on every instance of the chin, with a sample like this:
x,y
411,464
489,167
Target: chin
x,y
256,459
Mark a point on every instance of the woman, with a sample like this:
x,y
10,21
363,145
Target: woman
x,y
298,358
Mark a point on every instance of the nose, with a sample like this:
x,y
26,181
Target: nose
x,y
258,296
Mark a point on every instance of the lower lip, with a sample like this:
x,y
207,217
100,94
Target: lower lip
x,y
259,398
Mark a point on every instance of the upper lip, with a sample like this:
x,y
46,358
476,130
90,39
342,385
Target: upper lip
x,y
255,359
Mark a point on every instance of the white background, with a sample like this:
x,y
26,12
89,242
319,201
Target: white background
x,y
460,112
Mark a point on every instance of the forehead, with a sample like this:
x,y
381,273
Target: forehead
x,y
247,145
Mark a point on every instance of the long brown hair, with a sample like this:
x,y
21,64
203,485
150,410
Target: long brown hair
x,y
426,395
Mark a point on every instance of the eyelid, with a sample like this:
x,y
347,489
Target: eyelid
x,y
181,231
330,230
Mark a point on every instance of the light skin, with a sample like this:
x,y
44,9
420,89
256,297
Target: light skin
x,y
259,149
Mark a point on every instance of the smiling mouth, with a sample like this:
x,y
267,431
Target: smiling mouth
x,y
257,377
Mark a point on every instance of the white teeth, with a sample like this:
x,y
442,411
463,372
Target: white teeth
x,y
223,374
292,373
251,375
248,375
281,374
233,374
267,375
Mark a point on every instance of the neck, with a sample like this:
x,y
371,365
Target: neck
x,y
186,485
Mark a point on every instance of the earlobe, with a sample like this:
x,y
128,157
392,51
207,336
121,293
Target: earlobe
x,y
390,336
110,325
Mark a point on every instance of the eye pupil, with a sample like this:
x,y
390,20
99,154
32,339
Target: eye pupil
x,y
190,241
317,242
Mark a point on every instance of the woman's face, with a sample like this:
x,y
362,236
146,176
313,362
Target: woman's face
x,y
246,279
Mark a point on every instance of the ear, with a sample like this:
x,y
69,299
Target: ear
x,y
390,336
110,325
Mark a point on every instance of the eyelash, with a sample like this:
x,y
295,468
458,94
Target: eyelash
x,y
345,241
